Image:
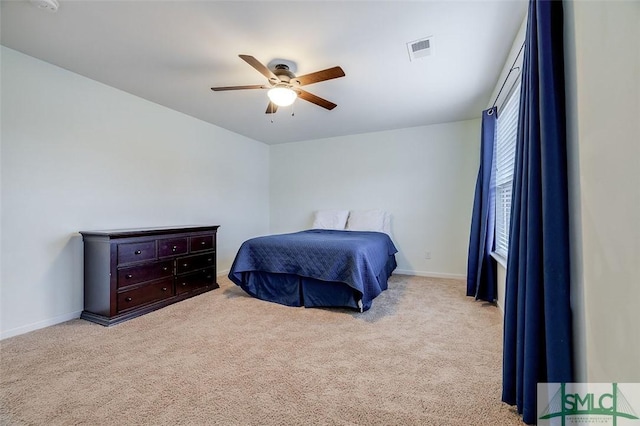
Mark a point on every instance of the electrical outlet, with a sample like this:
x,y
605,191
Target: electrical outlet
x,y
427,255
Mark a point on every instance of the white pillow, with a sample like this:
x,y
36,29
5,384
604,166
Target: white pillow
x,y
386,224
369,220
330,219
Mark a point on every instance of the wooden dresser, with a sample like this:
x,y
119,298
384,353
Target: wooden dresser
x,y
130,272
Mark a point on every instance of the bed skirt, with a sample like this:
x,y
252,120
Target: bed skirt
x,y
295,290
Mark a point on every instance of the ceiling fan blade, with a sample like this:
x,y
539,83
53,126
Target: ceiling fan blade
x,y
271,108
253,86
310,97
260,68
315,77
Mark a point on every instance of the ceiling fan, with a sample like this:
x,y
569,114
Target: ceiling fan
x,y
284,86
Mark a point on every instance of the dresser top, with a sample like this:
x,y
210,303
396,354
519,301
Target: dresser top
x,y
141,232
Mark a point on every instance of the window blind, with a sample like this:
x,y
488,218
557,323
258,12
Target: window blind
x,y
505,152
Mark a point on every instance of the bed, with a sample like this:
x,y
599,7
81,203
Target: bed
x,y
316,267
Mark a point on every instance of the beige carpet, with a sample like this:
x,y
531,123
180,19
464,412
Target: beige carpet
x,y
423,355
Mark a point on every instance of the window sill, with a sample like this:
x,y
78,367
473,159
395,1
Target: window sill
x,y
500,259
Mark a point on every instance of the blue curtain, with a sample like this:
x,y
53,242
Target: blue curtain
x,y
537,325
481,267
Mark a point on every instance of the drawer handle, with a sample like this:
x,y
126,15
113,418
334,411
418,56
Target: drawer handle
x,y
174,248
209,259
164,289
128,299
165,268
129,276
185,264
137,252
184,284
203,243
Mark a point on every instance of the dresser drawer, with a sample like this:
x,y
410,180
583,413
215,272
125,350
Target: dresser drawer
x,y
193,281
146,294
202,242
172,247
193,263
136,252
146,272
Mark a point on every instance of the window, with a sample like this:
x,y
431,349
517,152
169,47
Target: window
x,y
504,158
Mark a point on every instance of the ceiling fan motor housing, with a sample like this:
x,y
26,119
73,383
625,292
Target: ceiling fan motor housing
x,y
283,73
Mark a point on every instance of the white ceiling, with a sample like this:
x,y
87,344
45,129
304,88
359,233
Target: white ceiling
x,y
172,52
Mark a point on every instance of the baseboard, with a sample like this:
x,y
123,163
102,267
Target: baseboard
x,y
59,319
429,274
73,315
38,325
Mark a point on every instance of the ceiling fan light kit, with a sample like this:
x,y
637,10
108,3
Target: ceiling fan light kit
x,y
284,86
282,95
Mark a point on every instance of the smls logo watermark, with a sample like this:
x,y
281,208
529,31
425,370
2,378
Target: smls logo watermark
x,y
616,404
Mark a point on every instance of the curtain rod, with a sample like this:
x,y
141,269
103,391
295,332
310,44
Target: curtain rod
x,y
513,68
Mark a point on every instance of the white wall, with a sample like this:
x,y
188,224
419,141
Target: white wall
x,y
79,155
602,43
424,176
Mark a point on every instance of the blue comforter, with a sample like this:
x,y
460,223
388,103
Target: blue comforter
x,y
354,258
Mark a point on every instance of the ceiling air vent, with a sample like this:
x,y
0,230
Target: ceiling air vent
x,y
420,48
